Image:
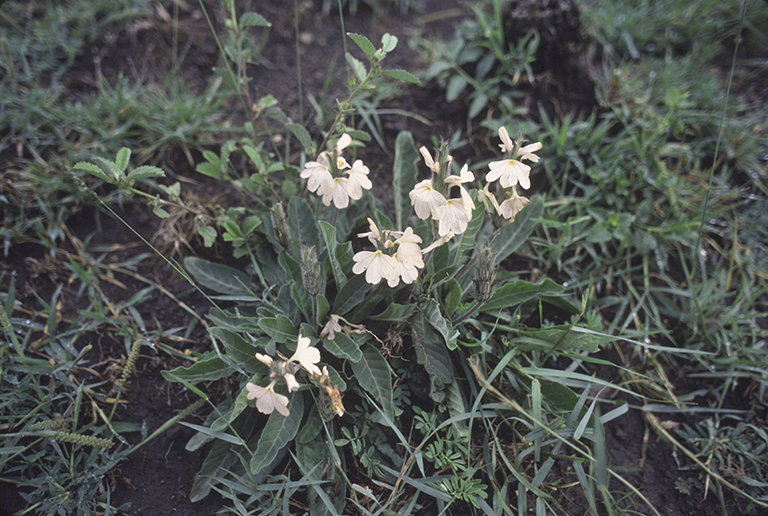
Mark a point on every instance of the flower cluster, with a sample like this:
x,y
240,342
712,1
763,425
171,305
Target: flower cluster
x,y
333,178
267,400
433,197
509,173
397,256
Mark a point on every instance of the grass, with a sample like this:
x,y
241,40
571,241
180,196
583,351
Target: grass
x,y
653,220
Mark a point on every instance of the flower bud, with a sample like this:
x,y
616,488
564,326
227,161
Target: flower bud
x,y
485,276
310,270
280,225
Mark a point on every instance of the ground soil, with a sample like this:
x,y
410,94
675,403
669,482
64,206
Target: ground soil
x,y
157,479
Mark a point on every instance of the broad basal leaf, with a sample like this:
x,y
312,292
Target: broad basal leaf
x,y
278,432
220,278
513,294
372,372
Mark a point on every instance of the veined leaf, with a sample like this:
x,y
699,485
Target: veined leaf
x,y
146,171
433,316
278,432
331,244
364,43
123,159
394,312
221,278
279,328
93,170
357,66
208,369
405,171
342,346
513,294
301,134
401,75
351,294
301,223
432,354
372,372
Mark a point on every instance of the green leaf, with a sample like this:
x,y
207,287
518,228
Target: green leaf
x,y
513,235
451,296
372,373
278,432
467,239
123,159
302,225
364,43
357,67
351,294
238,350
401,75
343,347
301,134
331,244
279,328
433,355
433,316
93,170
388,42
456,85
252,19
562,338
405,172
456,407
208,233
477,105
394,312
208,369
146,171
220,278
513,294
228,77
209,169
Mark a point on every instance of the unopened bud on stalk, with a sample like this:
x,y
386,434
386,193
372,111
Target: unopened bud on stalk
x,y
280,225
485,276
310,270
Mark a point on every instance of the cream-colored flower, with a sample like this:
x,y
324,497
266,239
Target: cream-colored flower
x,y
331,327
408,249
374,235
512,206
336,191
357,180
267,400
376,265
318,173
264,359
455,216
426,200
306,355
510,172
465,176
506,142
431,163
290,382
343,142
437,243
527,152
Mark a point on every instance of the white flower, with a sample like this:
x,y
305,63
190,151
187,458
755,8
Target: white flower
x,y
290,382
374,235
409,256
376,266
510,172
433,166
455,216
264,359
331,328
267,400
527,152
512,206
336,190
465,176
306,355
358,180
343,142
426,200
506,142
318,173
437,243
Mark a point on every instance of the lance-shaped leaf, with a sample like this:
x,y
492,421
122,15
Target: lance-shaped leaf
x,y
433,316
331,244
432,354
517,293
372,372
278,432
405,171
208,369
220,278
344,347
279,328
